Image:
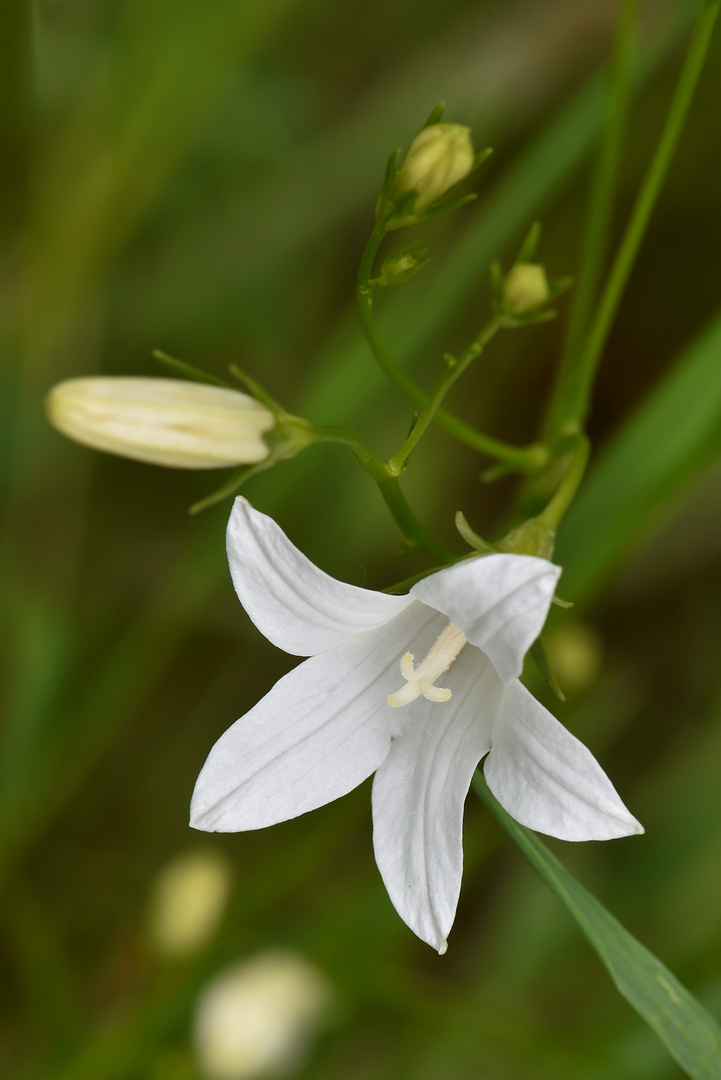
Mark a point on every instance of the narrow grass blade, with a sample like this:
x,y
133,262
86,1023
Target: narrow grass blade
x,y
669,440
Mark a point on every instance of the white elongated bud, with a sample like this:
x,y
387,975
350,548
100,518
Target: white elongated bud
x,y
525,288
438,158
258,1017
183,425
188,901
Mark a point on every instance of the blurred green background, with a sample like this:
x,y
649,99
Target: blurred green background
x,y
200,177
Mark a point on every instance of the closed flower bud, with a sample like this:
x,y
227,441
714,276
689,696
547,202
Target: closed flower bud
x,y
525,288
258,1017
182,425
438,158
402,265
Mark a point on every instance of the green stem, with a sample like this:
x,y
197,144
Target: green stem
x,y
569,405
605,183
525,459
563,497
398,462
390,489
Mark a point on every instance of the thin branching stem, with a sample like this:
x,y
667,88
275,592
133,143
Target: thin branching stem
x,y
523,458
416,535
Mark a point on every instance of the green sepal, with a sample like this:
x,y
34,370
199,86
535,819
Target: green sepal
x,y
291,435
259,392
478,160
385,203
530,244
471,538
236,482
187,371
538,653
436,115
444,208
401,212
533,537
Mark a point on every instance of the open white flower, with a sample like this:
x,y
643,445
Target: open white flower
x,y
363,704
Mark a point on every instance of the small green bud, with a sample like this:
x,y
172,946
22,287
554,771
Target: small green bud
x,y
525,288
438,158
182,425
402,265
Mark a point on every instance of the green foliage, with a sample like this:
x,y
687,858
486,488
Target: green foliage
x,y
671,439
199,179
688,1031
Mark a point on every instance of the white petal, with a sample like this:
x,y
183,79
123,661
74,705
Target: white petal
x,y
295,605
547,779
500,602
322,729
419,792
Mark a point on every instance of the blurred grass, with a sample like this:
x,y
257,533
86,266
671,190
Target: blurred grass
x,y
203,182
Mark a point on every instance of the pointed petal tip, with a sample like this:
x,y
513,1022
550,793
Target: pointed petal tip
x,y
196,820
615,827
443,949
605,827
636,828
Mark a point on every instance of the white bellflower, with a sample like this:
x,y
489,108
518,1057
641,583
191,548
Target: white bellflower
x,y
416,689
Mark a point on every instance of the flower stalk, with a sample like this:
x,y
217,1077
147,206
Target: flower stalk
x,y
528,459
433,403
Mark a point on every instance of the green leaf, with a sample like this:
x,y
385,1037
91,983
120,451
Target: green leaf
x,y
689,1033
669,440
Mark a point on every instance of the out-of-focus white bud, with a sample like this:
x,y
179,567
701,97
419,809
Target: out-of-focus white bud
x,y
188,900
525,288
258,1017
183,425
438,158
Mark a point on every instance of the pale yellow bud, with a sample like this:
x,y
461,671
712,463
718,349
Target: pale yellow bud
x,y
525,288
258,1017
183,425
188,901
438,158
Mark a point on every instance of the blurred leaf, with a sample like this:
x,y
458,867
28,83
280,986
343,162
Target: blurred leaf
x,y
671,438
690,1034
167,64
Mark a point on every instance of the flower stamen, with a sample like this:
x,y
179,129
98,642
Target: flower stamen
x,y
420,681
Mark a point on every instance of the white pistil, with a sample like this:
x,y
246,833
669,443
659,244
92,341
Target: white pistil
x,y
421,680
